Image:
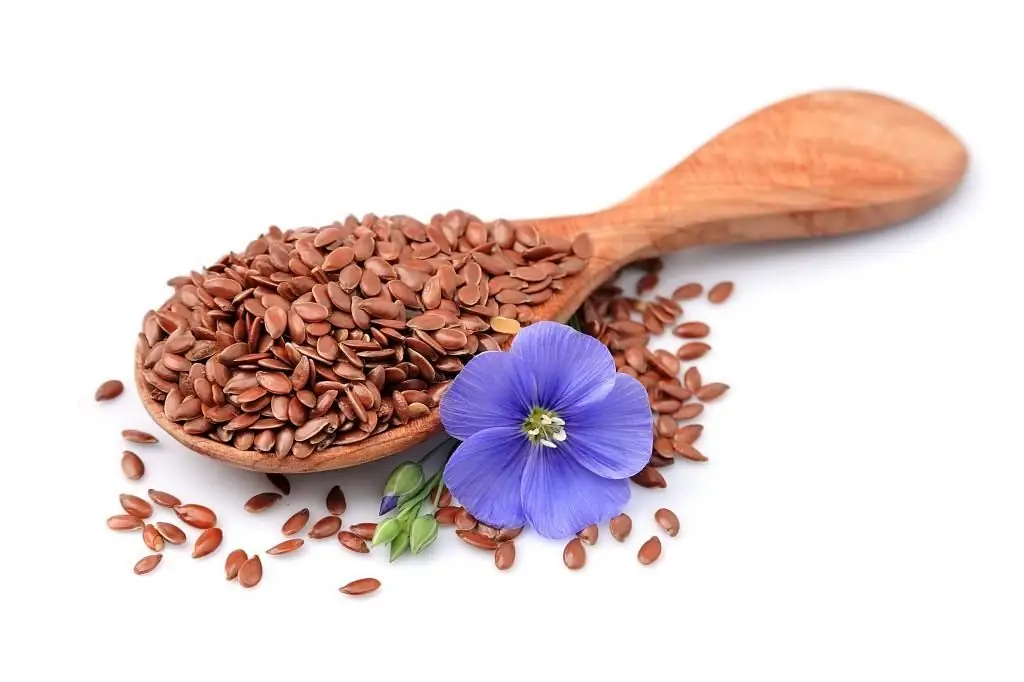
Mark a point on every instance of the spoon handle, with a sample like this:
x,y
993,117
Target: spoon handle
x,y
825,163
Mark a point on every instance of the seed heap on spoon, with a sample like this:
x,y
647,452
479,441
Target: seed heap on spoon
x,y
313,337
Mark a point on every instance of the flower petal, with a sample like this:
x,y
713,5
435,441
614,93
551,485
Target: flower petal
x,y
485,475
613,436
494,389
570,367
561,497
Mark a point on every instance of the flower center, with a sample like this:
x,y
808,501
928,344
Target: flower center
x,y
544,427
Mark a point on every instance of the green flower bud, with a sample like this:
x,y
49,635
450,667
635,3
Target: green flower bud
x,y
400,545
404,480
386,532
422,533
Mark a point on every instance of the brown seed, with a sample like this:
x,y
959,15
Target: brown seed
x,y
663,446
649,477
124,522
582,246
692,330
207,542
360,587
336,503
678,392
136,506
689,452
650,551
720,292
574,555
295,522
666,426
589,534
478,540
261,501
280,481
464,520
136,436
505,556
687,291
311,312
504,325
687,434
286,547
646,283
506,534
147,564
132,466
689,411
275,382
109,390
325,527
151,536
692,379
446,515
667,519
196,515
364,530
620,526
710,392
665,406
170,533
657,461
233,564
163,499
692,350
251,572
276,321
352,542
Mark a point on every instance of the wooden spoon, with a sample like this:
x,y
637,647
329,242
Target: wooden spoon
x,y
825,163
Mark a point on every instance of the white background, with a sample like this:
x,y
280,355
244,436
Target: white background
x,y
861,512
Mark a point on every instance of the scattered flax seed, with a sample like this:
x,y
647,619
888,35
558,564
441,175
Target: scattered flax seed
x,y
132,466
589,535
687,292
720,292
280,481
234,563
650,551
296,522
147,564
261,502
109,390
620,526
136,436
360,587
505,556
574,555
251,572
667,519
336,503
285,547
711,391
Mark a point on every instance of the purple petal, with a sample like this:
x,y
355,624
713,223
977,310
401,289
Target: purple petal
x,y
485,474
570,367
494,389
613,436
561,497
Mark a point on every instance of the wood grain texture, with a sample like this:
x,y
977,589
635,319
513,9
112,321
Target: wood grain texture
x,y
821,164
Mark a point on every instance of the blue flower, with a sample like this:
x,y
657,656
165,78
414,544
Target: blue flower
x,y
551,433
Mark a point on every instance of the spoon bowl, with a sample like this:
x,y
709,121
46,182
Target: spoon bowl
x,y
817,165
